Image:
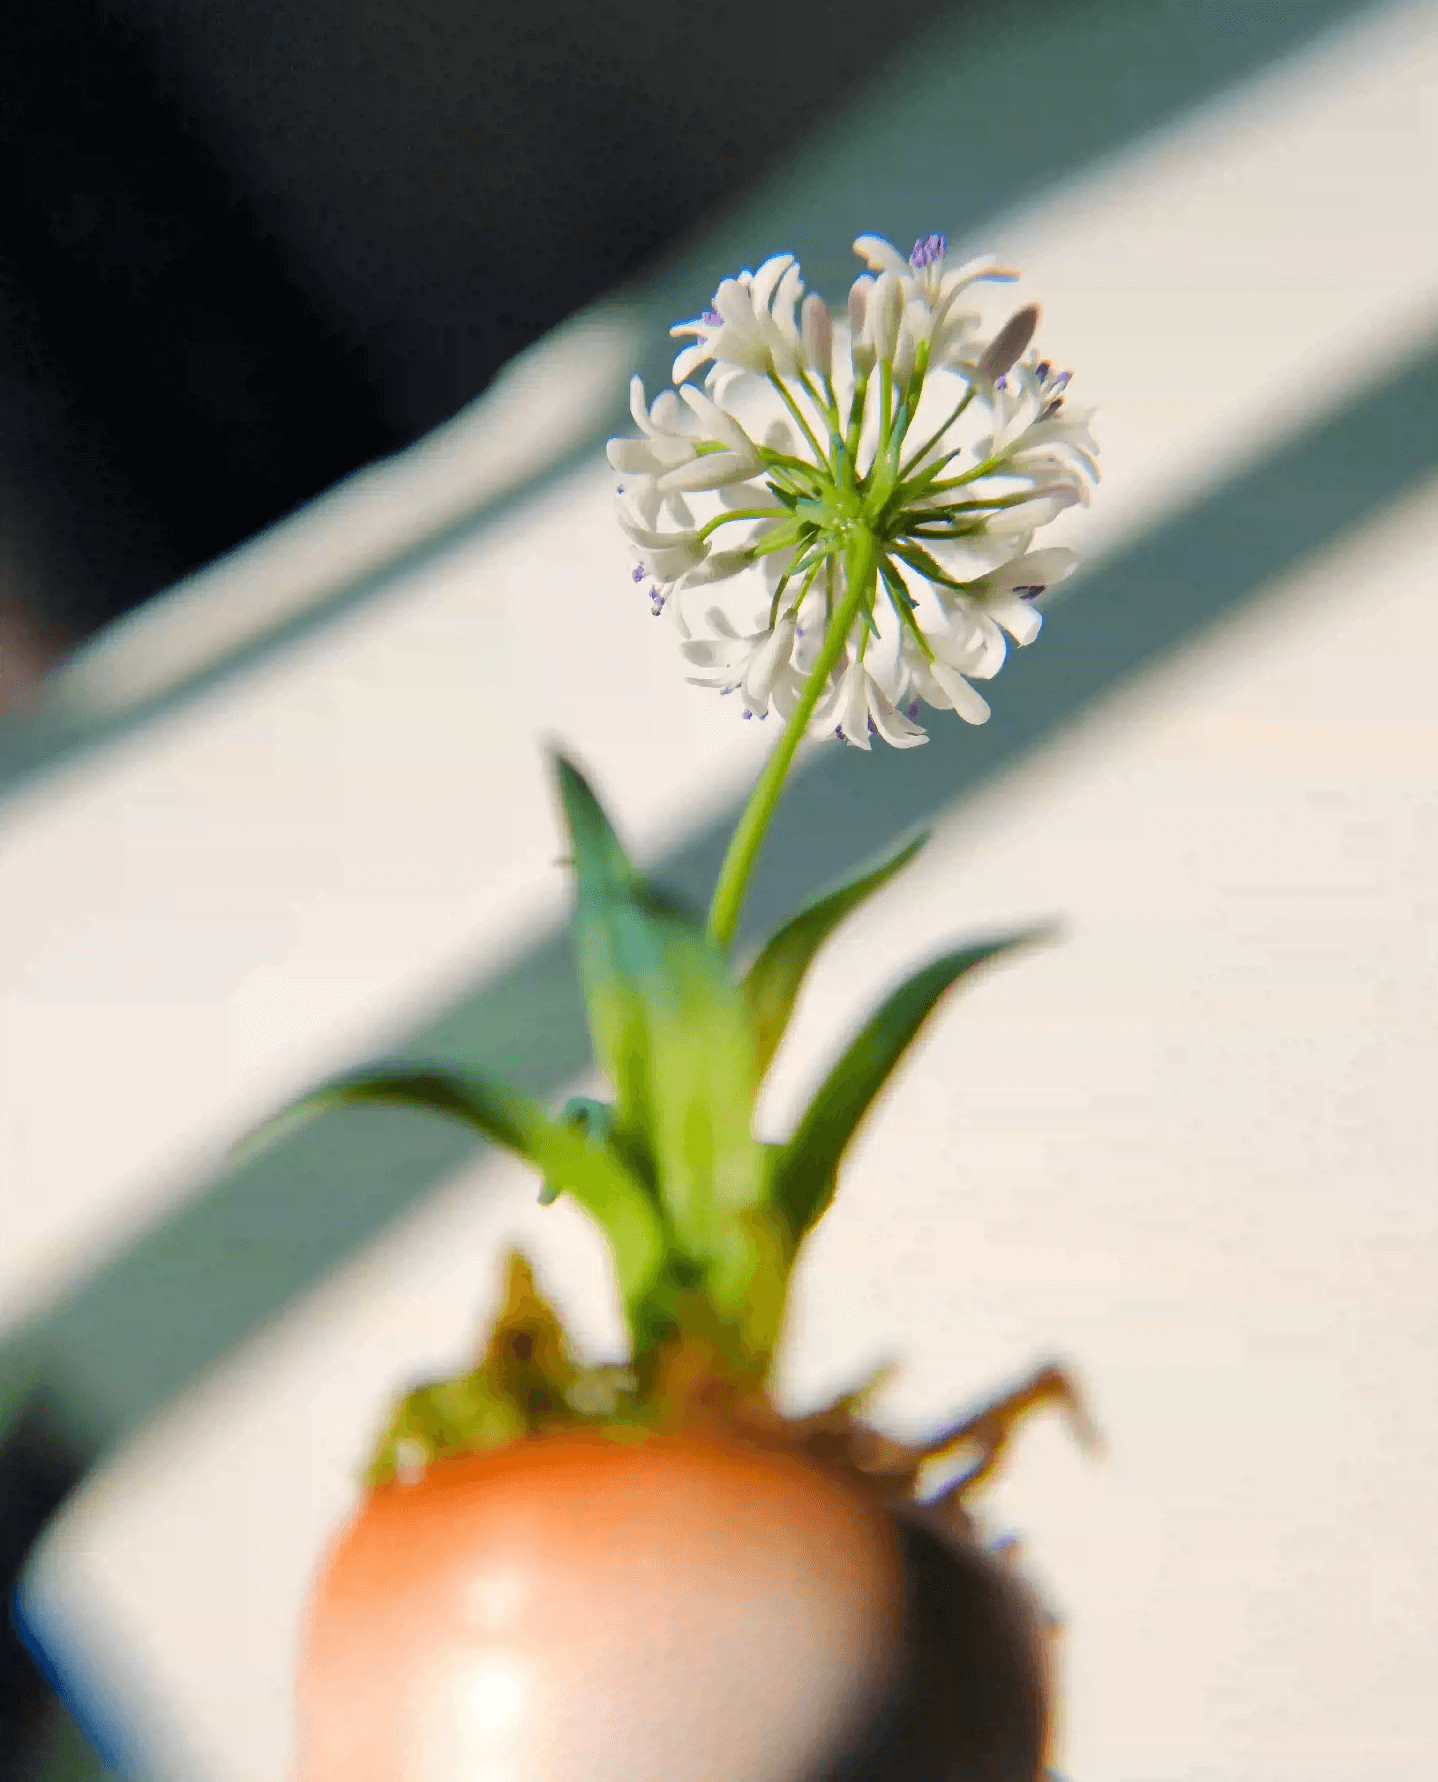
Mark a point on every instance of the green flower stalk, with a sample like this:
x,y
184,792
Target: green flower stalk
x,y
888,554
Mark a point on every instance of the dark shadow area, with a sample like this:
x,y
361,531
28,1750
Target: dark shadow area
x,y
171,385
971,1700
39,1466
248,248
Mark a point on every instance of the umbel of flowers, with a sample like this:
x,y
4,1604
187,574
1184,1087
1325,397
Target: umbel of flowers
x,y
859,498
856,494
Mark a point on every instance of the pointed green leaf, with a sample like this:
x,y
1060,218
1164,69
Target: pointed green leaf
x,y
806,1169
747,1283
771,986
595,1119
669,1027
588,1169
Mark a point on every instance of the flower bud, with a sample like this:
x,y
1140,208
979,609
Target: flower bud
x,y
906,348
817,332
860,350
885,311
1008,345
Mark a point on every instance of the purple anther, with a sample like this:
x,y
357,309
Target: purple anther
x,y
712,319
747,715
1043,368
912,711
1001,383
639,574
1031,590
839,733
928,249
873,727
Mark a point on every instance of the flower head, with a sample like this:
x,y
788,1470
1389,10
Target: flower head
x,y
947,443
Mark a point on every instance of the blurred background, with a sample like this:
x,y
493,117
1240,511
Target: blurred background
x,y
313,319
250,248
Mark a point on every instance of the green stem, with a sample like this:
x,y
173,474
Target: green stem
x,y
798,414
934,438
739,513
860,564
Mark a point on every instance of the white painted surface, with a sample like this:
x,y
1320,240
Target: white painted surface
x,y
1193,1149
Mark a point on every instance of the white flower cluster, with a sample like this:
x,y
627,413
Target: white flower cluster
x,y
951,449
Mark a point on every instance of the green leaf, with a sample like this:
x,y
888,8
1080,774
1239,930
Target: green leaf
x,y
595,1119
918,558
771,986
747,1284
806,1169
670,1028
588,1169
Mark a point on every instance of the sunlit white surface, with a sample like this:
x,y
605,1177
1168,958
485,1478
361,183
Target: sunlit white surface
x,y
1206,1177
531,415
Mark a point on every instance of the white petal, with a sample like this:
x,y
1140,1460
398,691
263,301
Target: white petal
x,y
734,304
853,706
989,649
882,256
718,566
823,722
886,306
967,559
1022,621
970,641
896,729
985,267
770,658
668,565
970,706
918,319
817,329
713,653
766,279
761,495
670,416
861,348
650,540
648,457
714,470
690,360
1036,569
791,289
720,423
1028,516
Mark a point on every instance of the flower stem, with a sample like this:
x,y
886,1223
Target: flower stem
x,y
798,414
860,568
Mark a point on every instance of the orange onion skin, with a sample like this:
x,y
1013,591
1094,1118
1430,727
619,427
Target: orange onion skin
x,y
584,1608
